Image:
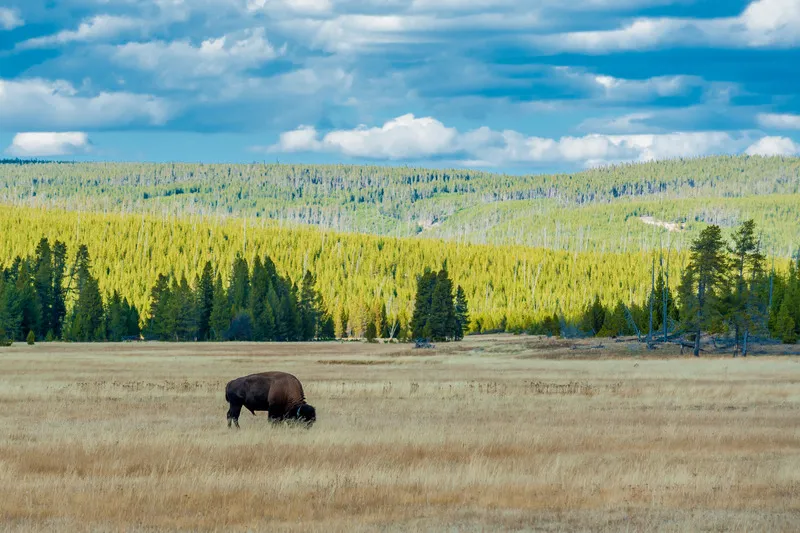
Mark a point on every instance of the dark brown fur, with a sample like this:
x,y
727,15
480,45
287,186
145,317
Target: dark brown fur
x,y
278,393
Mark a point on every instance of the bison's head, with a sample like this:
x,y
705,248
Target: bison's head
x,y
305,414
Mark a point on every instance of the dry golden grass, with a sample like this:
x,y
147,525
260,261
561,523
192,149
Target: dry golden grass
x,y
487,435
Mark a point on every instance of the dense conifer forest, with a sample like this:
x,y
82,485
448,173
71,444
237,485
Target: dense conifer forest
x,y
623,208
327,285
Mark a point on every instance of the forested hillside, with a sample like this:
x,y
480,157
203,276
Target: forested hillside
x,y
507,287
620,209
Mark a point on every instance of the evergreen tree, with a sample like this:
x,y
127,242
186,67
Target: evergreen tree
x,y
382,321
462,314
308,308
371,332
239,286
442,318
746,310
205,301
594,317
327,329
10,311
132,326
184,310
221,315
116,318
662,292
159,323
263,320
703,282
422,305
43,283
87,321
28,299
59,309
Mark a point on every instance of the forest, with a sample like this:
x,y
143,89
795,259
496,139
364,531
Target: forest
x,y
723,285
622,208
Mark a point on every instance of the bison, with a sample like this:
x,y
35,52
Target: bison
x,y
278,393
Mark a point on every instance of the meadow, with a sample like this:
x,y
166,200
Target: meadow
x,y
496,433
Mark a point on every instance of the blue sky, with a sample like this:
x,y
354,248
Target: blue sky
x,y
495,84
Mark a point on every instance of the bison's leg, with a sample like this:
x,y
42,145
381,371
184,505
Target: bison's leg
x,y
233,414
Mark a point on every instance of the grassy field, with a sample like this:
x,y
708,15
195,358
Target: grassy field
x,y
493,434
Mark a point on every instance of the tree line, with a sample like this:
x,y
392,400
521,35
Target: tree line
x,y
725,289
366,282
35,291
252,304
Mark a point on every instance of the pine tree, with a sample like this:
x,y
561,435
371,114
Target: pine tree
x,y
87,320
371,332
263,320
662,291
28,299
43,283
745,311
158,324
184,311
205,301
116,318
594,317
132,327
462,314
327,329
308,308
422,305
702,283
442,317
221,315
10,311
239,286
59,294
382,321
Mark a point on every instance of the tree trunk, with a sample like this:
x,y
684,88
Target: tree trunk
x,y
736,334
697,344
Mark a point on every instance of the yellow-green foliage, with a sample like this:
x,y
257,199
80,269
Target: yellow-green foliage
x,y
354,271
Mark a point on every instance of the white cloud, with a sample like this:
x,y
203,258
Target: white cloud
x,y
48,144
401,138
778,121
768,146
97,28
764,23
307,7
10,19
409,138
37,103
180,60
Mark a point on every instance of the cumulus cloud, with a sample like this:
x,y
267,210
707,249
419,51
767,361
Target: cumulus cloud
x,y
763,24
10,19
768,146
97,28
400,138
58,104
48,144
779,121
180,60
411,138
